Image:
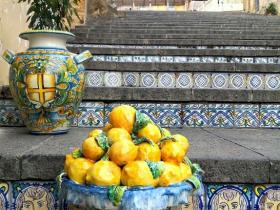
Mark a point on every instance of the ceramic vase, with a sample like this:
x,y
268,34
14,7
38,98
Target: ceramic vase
x,y
47,81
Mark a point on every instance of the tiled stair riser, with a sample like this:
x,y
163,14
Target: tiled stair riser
x,y
238,81
96,114
186,59
18,194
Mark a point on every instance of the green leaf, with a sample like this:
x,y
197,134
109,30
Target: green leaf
x,y
141,121
103,141
157,168
137,141
105,156
115,194
77,153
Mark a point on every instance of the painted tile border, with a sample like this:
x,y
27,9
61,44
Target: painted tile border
x,y
238,81
238,196
185,59
173,115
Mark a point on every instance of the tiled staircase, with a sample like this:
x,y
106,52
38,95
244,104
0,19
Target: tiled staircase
x,y
185,70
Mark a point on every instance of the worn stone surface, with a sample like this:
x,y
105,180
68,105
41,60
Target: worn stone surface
x,y
226,155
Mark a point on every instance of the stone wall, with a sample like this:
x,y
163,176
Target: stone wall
x,y
251,5
12,22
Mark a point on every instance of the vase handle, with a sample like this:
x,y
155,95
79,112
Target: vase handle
x,y
9,56
86,55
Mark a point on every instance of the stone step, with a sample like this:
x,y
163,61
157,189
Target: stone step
x,y
127,35
222,153
175,95
182,67
174,52
179,42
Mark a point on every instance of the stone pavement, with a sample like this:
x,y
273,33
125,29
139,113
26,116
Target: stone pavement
x,y
226,155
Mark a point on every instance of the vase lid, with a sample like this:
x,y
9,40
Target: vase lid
x,y
68,35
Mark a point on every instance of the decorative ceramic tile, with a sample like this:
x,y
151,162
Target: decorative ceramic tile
x,y
220,80
126,59
272,81
255,81
111,58
9,114
149,109
180,59
113,79
235,60
220,60
246,115
270,115
91,114
267,197
167,59
148,80
238,81
261,60
202,80
184,80
195,115
5,195
229,197
169,115
153,59
95,79
139,59
131,79
194,59
273,60
98,58
194,203
207,59
247,60
35,195
220,115
166,80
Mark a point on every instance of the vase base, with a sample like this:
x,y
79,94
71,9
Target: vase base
x,y
49,133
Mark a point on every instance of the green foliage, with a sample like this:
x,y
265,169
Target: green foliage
x,y
51,14
271,9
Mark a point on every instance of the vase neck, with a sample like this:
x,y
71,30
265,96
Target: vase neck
x,y
44,40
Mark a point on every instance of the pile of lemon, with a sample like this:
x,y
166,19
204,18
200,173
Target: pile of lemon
x,y
130,151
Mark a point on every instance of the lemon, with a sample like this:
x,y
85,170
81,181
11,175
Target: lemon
x,y
186,171
151,132
91,149
104,173
137,173
170,175
123,152
172,152
117,134
70,157
107,127
183,141
165,133
77,170
147,151
123,117
95,133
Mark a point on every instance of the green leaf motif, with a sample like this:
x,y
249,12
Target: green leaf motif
x,y
141,121
157,168
115,194
103,141
195,181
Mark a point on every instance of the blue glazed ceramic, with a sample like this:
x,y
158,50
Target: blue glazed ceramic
x,y
136,198
47,81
